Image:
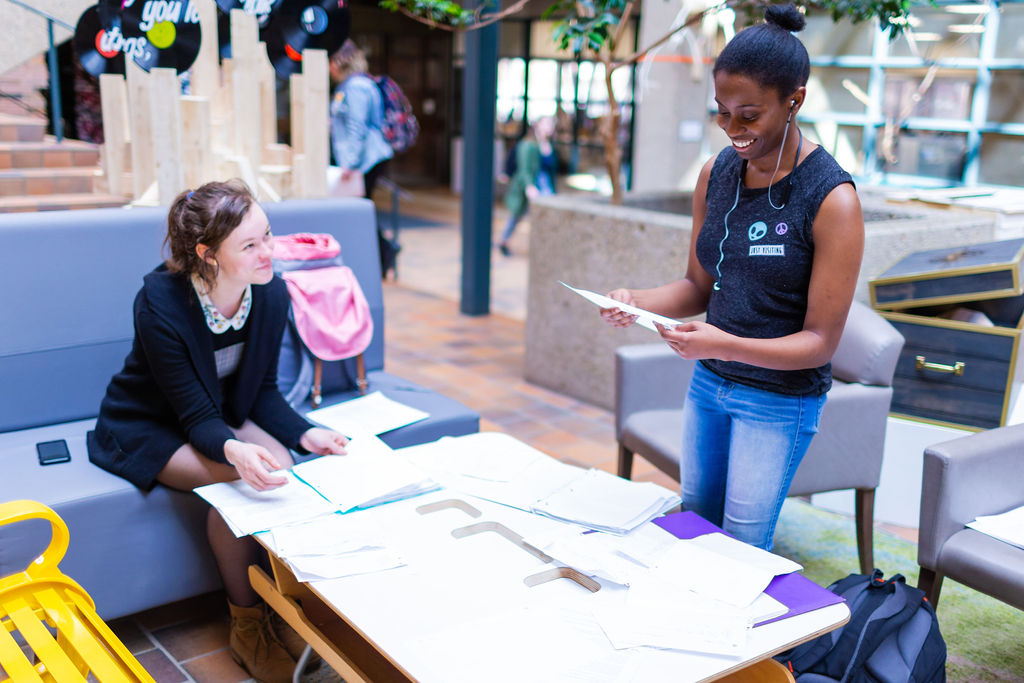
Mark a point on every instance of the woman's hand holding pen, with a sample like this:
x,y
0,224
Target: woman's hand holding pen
x,y
323,441
255,465
616,317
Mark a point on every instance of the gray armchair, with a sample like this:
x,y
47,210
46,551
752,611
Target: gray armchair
x,y
650,389
970,476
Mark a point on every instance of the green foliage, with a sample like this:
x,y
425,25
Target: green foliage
x,y
591,24
443,12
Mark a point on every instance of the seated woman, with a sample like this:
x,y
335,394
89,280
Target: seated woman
x,y
197,400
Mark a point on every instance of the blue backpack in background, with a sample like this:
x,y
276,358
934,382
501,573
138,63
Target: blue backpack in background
x,y
399,124
892,636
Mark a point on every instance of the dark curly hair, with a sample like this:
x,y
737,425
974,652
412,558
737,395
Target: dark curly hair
x,y
769,53
206,215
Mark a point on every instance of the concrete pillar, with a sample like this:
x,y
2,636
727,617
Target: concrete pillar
x,y
673,85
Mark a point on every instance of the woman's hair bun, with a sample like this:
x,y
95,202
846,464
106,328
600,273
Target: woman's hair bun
x,y
785,16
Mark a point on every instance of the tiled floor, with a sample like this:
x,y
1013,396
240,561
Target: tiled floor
x,y
476,360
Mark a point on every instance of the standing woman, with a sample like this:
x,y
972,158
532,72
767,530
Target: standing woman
x,y
777,241
197,400
357,140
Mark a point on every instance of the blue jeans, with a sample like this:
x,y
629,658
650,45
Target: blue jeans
x,y
741,448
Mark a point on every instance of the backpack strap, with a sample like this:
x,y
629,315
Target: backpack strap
x,y
804,657
900,603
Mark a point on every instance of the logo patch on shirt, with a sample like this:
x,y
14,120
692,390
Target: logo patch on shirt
x,y
767,250
757,230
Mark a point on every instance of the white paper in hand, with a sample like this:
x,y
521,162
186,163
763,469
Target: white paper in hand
x,y
643,318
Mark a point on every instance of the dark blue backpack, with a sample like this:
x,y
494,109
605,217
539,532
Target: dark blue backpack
x,y
892,636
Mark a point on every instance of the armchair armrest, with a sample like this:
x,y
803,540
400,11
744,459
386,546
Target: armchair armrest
x,y
648,377
973,475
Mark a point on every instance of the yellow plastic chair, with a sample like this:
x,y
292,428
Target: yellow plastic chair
x,y
56,618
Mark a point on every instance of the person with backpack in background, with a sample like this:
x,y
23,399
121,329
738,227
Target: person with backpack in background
x,y
533,174
357,130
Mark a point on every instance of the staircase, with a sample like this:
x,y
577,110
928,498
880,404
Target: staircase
x,y
39,174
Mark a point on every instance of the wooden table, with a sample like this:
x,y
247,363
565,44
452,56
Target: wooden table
x,y
460,611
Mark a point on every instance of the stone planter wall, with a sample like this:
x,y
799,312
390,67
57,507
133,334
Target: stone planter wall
x,y
590,244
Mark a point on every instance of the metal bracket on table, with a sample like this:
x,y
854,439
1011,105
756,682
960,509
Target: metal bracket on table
x,y
501,530
562,573
449,503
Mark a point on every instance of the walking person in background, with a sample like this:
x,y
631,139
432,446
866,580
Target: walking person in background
x,y
534,175
357,139
775,251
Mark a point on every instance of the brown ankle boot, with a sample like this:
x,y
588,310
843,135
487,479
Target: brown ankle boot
x,y
292,641
255,648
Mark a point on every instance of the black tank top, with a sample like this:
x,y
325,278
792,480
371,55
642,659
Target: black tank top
x,y
762,263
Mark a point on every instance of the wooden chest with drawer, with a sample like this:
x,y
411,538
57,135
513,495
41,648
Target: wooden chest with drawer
x,y
961,311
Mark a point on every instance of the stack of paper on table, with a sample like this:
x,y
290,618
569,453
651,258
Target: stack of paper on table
x,y
374,413
1007,527
247,510
499,468
602,501
370,474
332,547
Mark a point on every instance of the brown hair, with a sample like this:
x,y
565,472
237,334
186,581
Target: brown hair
x,y
349,59
206,215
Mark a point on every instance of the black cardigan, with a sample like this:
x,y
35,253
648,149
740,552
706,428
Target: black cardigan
x,y
168,393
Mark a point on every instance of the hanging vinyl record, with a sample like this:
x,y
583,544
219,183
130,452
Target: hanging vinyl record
x,y
168,30
297,25
261,9
99,50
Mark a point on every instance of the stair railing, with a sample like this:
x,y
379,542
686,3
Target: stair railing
x,y
51,58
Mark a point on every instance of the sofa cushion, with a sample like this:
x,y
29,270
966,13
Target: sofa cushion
x,y
119,534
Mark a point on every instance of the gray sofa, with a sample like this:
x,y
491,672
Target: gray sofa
x,y
650,388
963,479
68,280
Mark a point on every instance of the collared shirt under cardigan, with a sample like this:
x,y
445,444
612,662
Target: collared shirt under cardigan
x,y
168,393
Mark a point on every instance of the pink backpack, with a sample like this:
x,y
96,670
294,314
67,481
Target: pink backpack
x,y
329,310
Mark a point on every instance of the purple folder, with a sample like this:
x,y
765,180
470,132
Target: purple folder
x,y
795,591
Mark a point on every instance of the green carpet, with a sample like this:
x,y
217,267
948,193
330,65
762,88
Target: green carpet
x,y
984,637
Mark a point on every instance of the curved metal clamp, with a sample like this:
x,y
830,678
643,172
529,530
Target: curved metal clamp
x,y
562,573
449,503
501,530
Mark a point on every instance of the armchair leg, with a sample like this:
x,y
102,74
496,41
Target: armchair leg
x,y
625,462
930,582
865,518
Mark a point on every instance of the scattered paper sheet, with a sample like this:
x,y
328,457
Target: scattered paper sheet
x,y
1007,527
248,510
683,623
364,478
706,573
644,318
744,552
374,413
332,547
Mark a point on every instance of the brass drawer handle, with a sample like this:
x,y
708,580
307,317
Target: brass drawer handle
x,y
957,369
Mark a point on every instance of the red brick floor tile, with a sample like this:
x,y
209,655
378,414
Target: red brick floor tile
x,y
215,667
162,669
128,632
195,637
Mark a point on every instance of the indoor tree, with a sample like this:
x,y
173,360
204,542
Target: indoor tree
x,y
599,26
